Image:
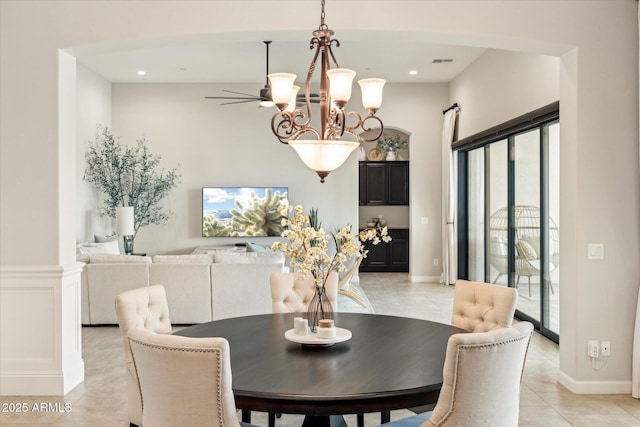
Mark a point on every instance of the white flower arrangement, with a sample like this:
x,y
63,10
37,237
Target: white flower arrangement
x,y
308,246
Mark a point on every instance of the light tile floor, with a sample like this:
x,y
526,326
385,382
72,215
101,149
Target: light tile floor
x,y
101,400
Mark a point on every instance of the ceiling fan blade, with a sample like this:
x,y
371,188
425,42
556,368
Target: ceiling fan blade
x,y
253,98
239,102
238,93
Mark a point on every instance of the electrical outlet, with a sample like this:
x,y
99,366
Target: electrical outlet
x,y
595,251
605,348
593,349
435,262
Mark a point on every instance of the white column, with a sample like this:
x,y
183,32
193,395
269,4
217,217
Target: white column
x,y
40,327
41,337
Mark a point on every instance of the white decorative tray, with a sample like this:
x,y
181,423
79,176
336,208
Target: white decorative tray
x,y
311,339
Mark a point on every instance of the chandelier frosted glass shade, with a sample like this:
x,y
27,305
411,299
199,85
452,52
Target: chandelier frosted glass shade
x,y
323,156
281,87
371,93
294,99
340,81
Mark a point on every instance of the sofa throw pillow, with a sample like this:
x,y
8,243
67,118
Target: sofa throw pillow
x,y
118,259
534,241
183,259
526,250
233,257
99,248
254,247
104,239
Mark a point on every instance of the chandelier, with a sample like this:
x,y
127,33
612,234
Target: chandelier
x,y
327,151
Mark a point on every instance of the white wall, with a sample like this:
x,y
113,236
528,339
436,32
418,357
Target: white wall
x,y
600,179
93,108
503,85
417,109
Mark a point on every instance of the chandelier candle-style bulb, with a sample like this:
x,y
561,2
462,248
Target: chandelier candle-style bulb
x,y
281,87
340,81
371,93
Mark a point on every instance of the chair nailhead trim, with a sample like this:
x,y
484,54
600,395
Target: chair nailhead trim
x,y
192,350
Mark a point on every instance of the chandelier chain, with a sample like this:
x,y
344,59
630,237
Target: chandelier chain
x,y
322,15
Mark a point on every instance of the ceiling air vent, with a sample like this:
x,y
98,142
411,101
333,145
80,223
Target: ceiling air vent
x,y
442,61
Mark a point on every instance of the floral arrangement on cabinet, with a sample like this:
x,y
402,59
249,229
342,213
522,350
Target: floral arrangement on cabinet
x,y
391,144
308,251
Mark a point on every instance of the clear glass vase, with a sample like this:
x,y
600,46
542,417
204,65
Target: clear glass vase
x,y
319,308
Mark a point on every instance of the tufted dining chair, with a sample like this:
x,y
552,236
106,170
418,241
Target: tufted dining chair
x,y
482,376
183,381
292,295
481,307
144,308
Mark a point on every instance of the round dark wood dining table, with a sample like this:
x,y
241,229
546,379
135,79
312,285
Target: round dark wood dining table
x,y
389,363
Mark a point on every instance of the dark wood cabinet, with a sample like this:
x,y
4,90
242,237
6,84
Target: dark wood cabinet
x,y
388,257
384,183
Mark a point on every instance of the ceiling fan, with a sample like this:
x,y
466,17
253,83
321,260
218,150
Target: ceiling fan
x,y
265,93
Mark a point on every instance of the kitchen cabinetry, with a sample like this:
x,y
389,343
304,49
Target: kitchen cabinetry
x,y
384,183
388,257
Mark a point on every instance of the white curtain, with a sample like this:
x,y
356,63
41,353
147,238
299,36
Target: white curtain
x,y
449,174
635,380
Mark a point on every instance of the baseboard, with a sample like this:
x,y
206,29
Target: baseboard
x,y
32,384
594,387
431,279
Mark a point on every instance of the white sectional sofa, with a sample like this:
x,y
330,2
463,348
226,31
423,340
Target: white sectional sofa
x,y
200,287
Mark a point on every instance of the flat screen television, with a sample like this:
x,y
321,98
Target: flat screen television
x,y
242,211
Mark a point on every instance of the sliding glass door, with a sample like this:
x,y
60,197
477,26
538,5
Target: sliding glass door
x,y
526,221
476,216
508,217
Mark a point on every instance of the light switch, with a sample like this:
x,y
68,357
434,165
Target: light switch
x,y
595,251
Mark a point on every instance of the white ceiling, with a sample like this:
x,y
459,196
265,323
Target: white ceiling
x,y
210,60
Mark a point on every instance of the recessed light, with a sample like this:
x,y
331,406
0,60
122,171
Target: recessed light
x,y
413,72
142,73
